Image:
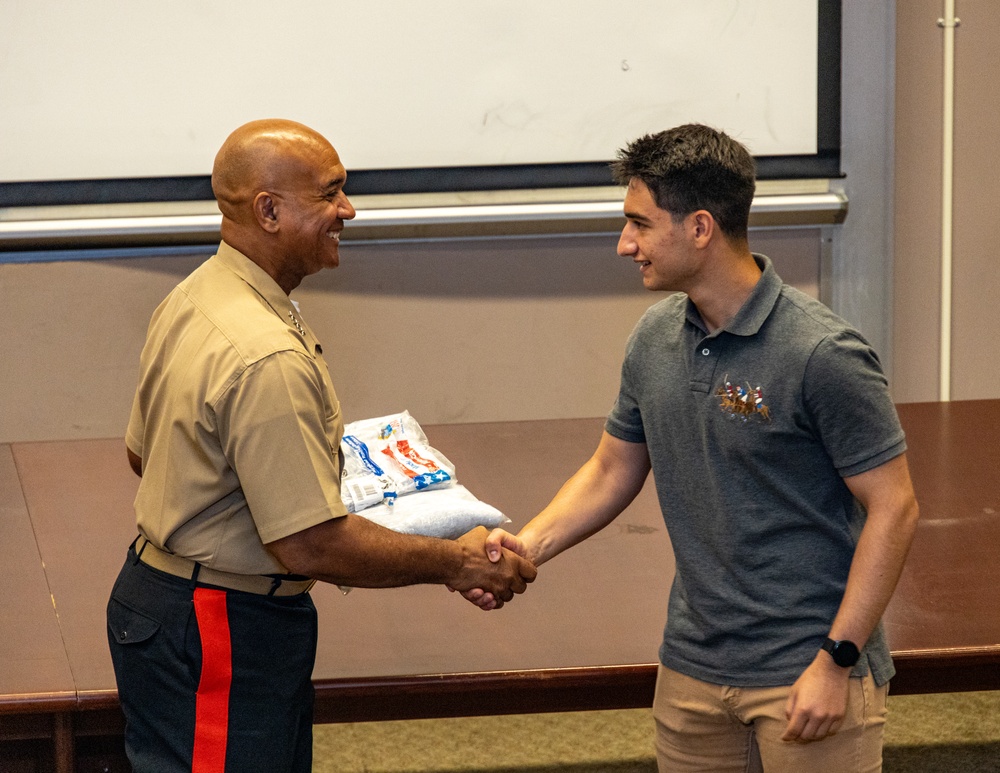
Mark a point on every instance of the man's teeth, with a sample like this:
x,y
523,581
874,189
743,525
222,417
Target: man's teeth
x,y
335,235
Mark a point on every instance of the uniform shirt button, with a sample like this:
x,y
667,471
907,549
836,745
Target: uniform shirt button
x,y
706,352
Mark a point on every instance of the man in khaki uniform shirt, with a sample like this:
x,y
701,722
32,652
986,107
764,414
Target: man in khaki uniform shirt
x,y
235,431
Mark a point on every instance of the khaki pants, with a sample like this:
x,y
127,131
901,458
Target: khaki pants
x,y
710,728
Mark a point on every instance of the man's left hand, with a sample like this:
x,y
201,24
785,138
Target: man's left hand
x,y
818,701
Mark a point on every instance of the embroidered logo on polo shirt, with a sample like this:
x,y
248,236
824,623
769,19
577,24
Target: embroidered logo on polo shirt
x,y
742,404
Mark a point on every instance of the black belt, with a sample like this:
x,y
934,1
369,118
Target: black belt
x,y
260,584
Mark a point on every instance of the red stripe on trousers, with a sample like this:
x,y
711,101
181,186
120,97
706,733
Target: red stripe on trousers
x,y
211,723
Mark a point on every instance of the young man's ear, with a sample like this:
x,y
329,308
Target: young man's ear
x,y
265,212
702,226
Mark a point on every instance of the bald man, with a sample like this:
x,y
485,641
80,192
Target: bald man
x,y
235,433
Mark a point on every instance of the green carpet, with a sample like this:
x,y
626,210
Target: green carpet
x,y
949,733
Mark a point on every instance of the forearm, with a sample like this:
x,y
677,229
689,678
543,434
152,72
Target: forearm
x,y
875,570
880,553
134,461
588,501
355,552
818,699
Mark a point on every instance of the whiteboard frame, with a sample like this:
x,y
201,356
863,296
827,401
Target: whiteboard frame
x,y
825,163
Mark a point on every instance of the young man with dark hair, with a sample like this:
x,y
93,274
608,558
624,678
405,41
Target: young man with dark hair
x,y
780,467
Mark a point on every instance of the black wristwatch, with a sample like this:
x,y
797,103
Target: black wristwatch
x,y
844,653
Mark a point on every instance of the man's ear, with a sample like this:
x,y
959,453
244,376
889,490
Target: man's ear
x,y
703,227
265,212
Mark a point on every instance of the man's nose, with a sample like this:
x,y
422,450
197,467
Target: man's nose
x,y
626,244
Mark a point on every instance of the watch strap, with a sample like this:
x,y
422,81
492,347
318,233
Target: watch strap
x,y
844,653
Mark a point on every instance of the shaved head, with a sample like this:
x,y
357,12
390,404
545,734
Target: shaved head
x,y
280,188
260,156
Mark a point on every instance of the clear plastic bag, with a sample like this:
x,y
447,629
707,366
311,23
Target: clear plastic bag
x,y
393,477
389,457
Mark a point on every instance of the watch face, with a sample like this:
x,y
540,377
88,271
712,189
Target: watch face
x,y
845,653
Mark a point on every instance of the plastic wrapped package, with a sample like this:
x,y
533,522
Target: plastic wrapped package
x,y
389,457
394,477
447,513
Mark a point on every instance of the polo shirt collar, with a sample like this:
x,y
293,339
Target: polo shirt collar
x,y
755,309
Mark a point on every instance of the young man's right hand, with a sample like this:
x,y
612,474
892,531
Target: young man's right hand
x,y
497,546
491,573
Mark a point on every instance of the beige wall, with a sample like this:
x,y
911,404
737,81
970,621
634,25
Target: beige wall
x,y
917,222
454,332
975,327
534,328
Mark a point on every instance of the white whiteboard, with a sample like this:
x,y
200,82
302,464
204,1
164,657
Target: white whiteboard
x,y
119,88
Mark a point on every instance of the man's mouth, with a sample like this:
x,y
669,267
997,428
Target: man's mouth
x,y
335,235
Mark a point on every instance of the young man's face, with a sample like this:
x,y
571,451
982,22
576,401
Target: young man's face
x,y
657,243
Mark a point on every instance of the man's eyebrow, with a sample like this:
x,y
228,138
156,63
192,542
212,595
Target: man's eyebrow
x,y
636,216
334,184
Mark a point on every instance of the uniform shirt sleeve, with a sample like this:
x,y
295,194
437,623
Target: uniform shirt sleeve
x,y
136,428
280,428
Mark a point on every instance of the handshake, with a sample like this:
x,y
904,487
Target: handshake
x,y
495,566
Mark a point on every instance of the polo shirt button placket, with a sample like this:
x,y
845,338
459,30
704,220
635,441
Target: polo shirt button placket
x,y
703,365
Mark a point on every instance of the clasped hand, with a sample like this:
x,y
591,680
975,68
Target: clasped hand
x,y
490,570
499,546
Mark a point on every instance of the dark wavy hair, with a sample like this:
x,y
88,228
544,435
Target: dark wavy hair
x,y
693,167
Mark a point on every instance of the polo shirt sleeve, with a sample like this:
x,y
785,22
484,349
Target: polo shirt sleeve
x,y
625,420
280,429
847,397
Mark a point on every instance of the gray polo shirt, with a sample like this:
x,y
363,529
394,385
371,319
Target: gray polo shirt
x,y
750,431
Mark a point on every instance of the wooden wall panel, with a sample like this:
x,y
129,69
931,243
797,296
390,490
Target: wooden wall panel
x,y
976,279
975,328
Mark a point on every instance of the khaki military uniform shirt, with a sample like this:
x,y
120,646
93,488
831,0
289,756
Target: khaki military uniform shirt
x,y
236,420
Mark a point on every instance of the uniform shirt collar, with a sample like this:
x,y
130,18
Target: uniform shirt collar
x,y
257,278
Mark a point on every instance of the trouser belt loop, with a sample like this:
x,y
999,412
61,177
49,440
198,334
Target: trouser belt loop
x,y
138,553
194,575
275,584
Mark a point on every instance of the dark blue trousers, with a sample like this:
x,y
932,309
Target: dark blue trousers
x,y
211,680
